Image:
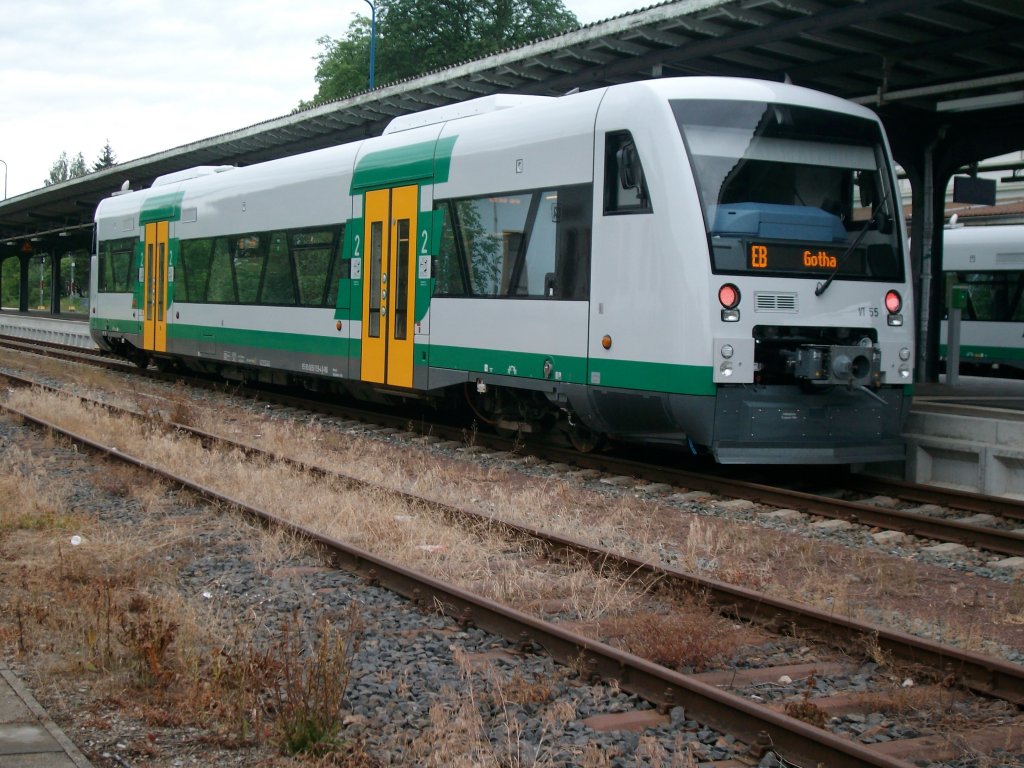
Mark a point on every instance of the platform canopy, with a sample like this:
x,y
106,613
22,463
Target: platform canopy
x,y
916,61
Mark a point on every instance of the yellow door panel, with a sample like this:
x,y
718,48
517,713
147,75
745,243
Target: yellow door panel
x,y
389,270
154,288
376,218
160,317
404,201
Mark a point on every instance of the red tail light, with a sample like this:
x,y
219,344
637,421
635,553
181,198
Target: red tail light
x,y
893,302
729,296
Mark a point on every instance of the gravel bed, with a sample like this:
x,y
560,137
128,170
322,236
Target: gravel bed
x,y
424,656
408,664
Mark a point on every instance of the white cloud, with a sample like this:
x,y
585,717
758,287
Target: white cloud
x,y
149,76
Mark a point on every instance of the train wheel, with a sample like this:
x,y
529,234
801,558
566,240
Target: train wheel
x,y
583,439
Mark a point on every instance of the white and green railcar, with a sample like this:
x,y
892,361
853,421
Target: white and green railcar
x,y
711,263
988,262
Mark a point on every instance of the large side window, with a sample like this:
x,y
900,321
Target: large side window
x,y
450,263
247,259
278,286
222,275
284,268
115,265
193,271
312,252
574,215
532,244
992,296
490,231
336,269
625,187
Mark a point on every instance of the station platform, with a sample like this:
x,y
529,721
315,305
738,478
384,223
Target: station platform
x,y
70,330
968,436
28,737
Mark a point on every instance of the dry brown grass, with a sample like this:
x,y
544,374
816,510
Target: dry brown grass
x,y
687,638
479,559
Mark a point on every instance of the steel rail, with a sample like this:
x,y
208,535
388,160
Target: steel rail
x,y
1011,509
994,540
752,723
981,673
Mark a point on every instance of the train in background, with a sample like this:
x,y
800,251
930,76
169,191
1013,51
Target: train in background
x,y
713,264
988,260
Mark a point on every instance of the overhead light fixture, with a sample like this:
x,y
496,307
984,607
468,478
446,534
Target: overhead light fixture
x,y
974,103
63,234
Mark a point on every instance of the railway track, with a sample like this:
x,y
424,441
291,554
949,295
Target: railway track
x,y
731,713
929,512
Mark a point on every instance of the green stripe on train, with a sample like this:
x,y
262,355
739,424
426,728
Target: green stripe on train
x,y
115,326
301,343
976,353
166,207
620,374
657,377
398,166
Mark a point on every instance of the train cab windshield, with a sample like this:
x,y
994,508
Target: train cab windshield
x,y
792,191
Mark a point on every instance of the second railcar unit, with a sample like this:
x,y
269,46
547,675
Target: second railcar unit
x,y
987,261
710,263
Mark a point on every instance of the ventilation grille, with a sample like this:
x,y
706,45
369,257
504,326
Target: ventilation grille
x,y
775,302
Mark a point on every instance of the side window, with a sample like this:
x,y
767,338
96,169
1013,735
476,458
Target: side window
x,y
992,296
625,187
336,268
534,244
194,271
572,247
247,260
115,265
278,285
312,252
491,232
537,277
282,268
449,264
222,276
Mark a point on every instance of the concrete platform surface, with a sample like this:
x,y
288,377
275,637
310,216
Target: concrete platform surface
x,y
968,436
28,737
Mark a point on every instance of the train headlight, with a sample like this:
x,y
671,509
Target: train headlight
x,y
893,302
727,351
905,354
725,369
895,320
904,371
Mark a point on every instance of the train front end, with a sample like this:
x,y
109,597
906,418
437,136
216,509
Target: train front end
x,y
809,302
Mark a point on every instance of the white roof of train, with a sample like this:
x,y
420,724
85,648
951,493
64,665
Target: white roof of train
x,y
993,247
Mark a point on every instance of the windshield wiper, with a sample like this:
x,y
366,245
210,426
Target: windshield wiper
x,y
883,227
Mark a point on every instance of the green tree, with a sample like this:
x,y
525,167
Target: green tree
x,y
106,159
64,169
419,36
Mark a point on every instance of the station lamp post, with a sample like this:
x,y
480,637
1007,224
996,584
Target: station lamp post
x,y
373,39
5,178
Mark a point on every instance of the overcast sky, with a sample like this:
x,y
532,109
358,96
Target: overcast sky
x,y
149,75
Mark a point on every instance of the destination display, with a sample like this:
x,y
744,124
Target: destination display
x,y
787,258
799,258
